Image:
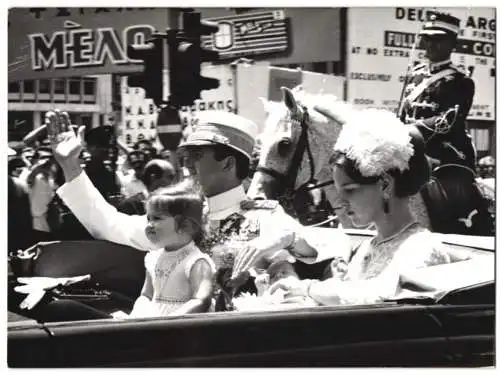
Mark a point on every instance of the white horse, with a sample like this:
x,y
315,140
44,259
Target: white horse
x,y
296,146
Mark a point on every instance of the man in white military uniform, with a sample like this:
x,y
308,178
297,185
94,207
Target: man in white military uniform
x,y
219,150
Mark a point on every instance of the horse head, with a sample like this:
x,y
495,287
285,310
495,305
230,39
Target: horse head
x,y
296,143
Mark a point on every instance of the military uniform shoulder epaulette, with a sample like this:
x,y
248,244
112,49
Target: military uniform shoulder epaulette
x,y
256,204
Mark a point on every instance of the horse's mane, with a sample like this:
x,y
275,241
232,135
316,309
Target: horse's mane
x,y
278,110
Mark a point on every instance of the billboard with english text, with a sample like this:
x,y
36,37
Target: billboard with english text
x,y
378,54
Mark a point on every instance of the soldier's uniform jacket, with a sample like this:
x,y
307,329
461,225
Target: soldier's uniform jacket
x,y
437,100
235,220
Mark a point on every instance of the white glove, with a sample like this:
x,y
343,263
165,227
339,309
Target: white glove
x,y
36,287
120,315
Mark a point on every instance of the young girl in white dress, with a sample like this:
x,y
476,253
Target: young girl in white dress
x,y
378,164
178,275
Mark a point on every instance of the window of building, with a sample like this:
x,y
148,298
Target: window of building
x,y
320,67
74,87
14,91
59,86
29,87
89,87
339,68
28,91
44,86
308,67
89,90
14,87
74,90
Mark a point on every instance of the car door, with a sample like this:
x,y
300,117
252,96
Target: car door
x,y
379,335
468,319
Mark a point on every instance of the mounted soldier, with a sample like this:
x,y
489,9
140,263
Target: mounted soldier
x,y
436,99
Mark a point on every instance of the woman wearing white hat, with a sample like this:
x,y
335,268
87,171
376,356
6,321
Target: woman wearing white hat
x,y
378,164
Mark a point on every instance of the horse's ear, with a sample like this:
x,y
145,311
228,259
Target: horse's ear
x,y
289,100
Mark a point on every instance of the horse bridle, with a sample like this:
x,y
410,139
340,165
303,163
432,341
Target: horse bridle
x,y
287,180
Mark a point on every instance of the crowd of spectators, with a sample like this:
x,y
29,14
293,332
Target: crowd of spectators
x,y
124,176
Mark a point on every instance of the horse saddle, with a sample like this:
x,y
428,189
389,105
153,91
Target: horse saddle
x,y
455,203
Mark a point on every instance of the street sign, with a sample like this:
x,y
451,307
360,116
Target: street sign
x,y
251,34
61,42
169,127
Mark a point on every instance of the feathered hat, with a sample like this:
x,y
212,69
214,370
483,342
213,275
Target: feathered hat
x,y
377,141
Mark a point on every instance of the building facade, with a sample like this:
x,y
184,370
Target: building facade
x,y
86,99
319,40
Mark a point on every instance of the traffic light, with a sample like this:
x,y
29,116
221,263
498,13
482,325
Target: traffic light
x,y
151,78
186,55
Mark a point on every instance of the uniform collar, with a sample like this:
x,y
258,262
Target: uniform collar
x,y
225,204
434,67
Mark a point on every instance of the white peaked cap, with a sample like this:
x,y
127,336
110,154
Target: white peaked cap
x,y
220,127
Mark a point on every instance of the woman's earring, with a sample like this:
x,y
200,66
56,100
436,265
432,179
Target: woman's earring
x,y
385,196
385,204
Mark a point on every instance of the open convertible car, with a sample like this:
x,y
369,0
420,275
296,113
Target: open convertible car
x,y
446,318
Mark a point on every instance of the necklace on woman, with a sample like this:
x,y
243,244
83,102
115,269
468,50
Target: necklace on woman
x,y
377,242
379,256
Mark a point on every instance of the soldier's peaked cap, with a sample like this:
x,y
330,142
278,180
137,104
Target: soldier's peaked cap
x,y
441,24
219,127
101,136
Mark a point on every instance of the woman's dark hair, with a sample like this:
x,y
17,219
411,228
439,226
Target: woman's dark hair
x,y
407,183
242,163
418,174
181,200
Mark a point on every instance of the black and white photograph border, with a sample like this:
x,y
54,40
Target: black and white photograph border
x,y
207,185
